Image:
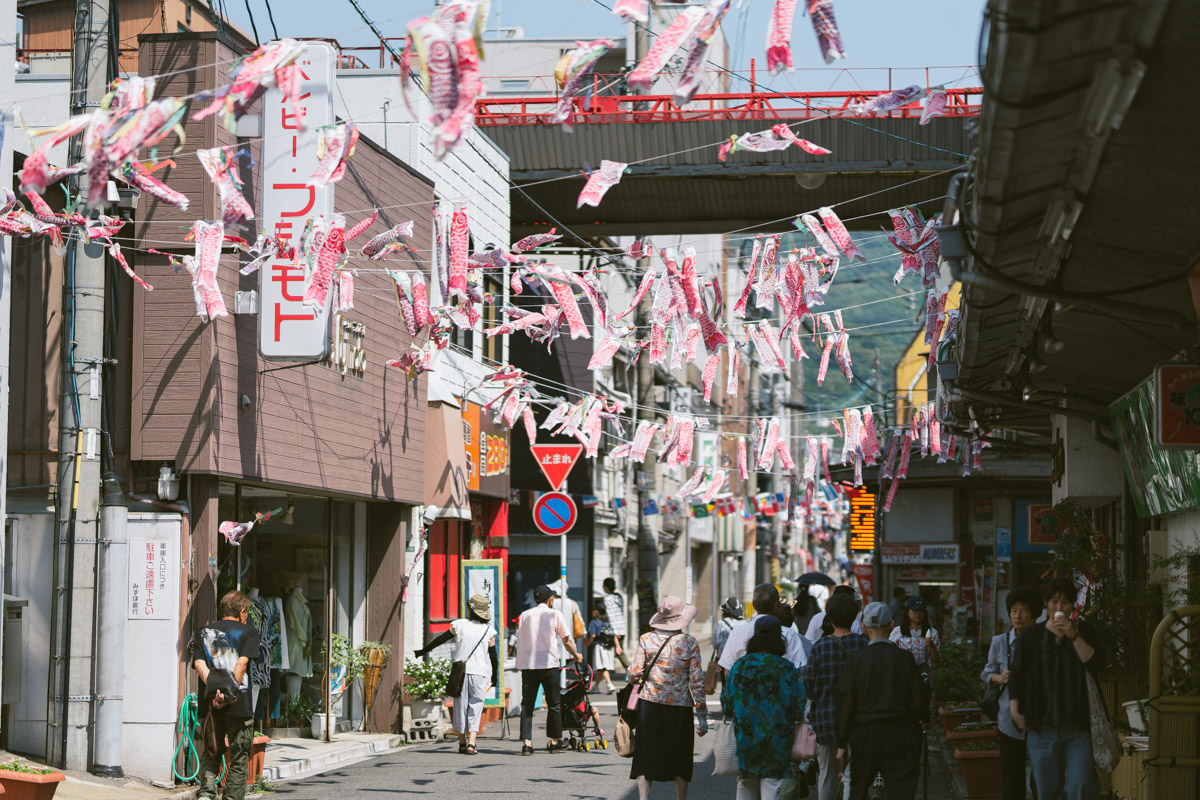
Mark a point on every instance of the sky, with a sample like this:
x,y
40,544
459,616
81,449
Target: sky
x,y
876,33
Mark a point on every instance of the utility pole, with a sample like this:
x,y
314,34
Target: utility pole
x,y
647,581
750,554
76,704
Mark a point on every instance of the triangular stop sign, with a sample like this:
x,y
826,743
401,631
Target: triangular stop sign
x,y
556,461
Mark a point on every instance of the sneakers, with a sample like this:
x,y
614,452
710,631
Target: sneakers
x,y
526,749
610,689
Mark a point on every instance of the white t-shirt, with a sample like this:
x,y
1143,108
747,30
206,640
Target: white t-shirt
x,y
614,607
739,637
467,634
539,634
814,626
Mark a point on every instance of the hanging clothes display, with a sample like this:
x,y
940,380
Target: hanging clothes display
x,y
298,621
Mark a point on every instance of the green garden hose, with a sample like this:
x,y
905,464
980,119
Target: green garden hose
x,y
189,723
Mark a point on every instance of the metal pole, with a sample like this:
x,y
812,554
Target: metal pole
x,y
648,562
749,554
73,623
110,645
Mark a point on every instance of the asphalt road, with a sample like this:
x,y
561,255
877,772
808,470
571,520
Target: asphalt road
x,y
437,770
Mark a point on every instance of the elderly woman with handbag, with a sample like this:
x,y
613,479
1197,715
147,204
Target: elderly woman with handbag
x,y
1023,607
764,695
669,680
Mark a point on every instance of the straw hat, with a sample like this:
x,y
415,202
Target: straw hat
x,y
673,614
481,606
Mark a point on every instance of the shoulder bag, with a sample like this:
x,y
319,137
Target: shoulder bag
x,y
725,750
711,673
804,743
458,670
627,704
990,702
1106,745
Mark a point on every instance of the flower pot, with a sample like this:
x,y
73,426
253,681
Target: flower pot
x,y
953,717
986,735
1135,712
981,771
258,757
29,785
318,725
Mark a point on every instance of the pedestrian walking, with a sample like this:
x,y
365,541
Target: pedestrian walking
x,y
482,668
603,642
221,653
882,712
1048,696
822,680
614,607
1023,606
766,603
916,635
899,598
672,691
539,633
733,613
819,625
764,696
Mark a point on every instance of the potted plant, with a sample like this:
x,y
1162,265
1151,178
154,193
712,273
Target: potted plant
x,y
956,683
425,689
258,757
979,762
375,656
347,664
299,710
972,731
23,782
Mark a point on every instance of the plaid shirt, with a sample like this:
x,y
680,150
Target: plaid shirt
x,y
822,680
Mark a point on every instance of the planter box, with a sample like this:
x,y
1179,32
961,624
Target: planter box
x,y
29,786
981,771
258,757
952,718
987,735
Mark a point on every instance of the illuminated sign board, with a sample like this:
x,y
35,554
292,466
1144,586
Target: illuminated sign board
x,y
862,519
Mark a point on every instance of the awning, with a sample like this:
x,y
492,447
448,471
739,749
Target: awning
x,y
446,462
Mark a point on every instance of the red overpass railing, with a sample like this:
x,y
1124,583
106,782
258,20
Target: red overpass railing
x,y
747,106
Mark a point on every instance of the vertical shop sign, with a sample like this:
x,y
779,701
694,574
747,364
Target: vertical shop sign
x,y
152,593
862,519
865,575
486,577
486,445
288,329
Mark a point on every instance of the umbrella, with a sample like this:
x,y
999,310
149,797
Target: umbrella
x,y
816,579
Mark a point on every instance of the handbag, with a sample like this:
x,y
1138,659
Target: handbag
x,y
1106,745
990,702
625,738
804,743
725,750
458,671
579,629
711,673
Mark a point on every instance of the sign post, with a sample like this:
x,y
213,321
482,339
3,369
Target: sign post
x,y
550,511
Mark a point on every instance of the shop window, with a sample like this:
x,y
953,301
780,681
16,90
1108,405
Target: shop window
x,y
446,548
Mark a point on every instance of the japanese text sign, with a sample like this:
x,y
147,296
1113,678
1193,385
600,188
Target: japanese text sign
x,y
556,461
152,591
1177,406
287,328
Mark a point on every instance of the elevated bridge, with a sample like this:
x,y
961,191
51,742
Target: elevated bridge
x,y
677,184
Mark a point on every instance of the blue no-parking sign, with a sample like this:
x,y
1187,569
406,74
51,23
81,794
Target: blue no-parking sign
x,y
554,513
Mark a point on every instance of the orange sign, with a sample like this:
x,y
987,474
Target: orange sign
x,y
862,519
487,452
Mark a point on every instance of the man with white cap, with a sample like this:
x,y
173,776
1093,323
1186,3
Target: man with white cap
x,y
539,631
882,712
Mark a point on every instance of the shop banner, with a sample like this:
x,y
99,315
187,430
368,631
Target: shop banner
x,y
865,575
486,577
1161,481
486,444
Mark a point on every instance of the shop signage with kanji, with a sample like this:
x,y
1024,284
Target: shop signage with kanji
x,y
487,447
151,589
864,574
919,554
1177,406
862,519
556,461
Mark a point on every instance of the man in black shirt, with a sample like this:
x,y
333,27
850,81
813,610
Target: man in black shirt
x,y
222,652
881,712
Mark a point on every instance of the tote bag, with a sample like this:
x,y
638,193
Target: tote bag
x,y
804,745
725,753
1106,745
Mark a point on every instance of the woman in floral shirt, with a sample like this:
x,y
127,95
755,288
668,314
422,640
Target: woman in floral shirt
x,y
673,687
764,696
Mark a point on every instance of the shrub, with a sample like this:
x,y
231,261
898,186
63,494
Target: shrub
x,y
956,675
427,679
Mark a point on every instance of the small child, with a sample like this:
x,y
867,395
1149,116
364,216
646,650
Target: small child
x,y
603,641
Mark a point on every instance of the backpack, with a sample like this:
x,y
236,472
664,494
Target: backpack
x,y
607,637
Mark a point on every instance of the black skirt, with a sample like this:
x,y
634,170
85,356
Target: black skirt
x,y
665,738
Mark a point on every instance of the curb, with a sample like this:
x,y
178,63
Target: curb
x,y
958,787
303,768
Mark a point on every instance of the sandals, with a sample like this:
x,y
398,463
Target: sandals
x,y
462,749
471,750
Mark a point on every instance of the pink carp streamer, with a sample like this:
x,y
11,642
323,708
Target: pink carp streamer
x,y
324,248
693,68
710,376
692,483
647,282
839,234
665,44
935,105
571,74
335,145
817,232
600,181
447,46
460,233
714,486
605,351
387,242
221,165
273,64
889,101
535,240
829,38
731,380
203,266
632,10
779,137
743,470
779,37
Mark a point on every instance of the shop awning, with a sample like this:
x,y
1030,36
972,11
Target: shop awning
x,y
446,462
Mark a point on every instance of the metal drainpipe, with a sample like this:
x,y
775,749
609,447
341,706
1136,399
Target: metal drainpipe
x,y
185,548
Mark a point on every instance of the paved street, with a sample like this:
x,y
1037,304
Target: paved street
x,y
500,771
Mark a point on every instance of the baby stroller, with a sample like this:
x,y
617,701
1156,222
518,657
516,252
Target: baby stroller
x,y
577,710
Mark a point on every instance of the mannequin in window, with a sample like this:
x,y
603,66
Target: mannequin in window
x,y
298,621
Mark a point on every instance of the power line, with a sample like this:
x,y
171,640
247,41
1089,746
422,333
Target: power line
x,y
376,31
253,27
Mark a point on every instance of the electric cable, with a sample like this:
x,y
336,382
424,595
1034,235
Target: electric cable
x,y
253,27
271,16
